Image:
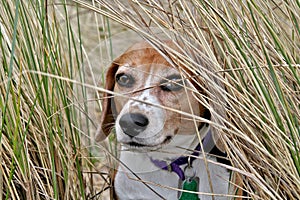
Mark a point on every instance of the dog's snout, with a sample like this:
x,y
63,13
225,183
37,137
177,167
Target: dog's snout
x,y
133,123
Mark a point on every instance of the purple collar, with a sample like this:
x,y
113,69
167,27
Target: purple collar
x,y
175,165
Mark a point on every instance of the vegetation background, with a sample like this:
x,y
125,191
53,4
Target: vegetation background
x,y
53,56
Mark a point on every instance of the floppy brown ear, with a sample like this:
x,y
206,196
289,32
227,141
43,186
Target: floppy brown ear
x,y
218,116
216,103
107,119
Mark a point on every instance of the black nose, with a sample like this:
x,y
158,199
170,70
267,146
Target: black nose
x,y
133,123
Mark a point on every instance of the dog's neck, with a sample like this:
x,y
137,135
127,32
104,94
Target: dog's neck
x,y
181,145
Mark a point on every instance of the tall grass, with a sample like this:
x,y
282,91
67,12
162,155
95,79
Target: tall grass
x,y
252,48
42,56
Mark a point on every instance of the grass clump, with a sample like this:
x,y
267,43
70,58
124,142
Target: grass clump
x,y
42,153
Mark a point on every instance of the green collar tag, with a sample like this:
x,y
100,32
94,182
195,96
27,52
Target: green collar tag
x,y
189,185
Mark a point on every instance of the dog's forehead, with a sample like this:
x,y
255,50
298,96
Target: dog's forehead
x,y
142,70
139,57
146,60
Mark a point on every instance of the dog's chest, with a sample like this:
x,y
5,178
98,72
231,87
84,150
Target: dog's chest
x,y
165,183
128,186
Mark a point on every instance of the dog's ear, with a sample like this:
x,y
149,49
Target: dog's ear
x,y
107,119
217,105
216,98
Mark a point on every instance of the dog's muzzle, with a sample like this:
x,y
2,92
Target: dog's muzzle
x,y
133,124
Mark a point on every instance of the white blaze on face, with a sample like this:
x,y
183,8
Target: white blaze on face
x,y
148,105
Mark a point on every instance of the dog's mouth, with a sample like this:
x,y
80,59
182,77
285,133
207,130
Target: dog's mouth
x,y
137,145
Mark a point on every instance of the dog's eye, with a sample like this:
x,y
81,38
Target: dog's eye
x,y
173,83
124,80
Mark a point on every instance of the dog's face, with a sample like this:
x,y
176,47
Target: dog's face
x,y
156,101
145,119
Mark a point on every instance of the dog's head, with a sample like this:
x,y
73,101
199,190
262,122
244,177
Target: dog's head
x,y
153,100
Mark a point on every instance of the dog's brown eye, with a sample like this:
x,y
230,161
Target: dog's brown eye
x,y
173,83
124,80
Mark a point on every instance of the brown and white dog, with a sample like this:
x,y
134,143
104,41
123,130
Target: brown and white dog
x,y
152,111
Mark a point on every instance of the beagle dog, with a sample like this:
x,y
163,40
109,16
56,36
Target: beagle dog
x,y
153,107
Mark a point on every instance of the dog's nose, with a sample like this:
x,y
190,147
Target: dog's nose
x,y
133,123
